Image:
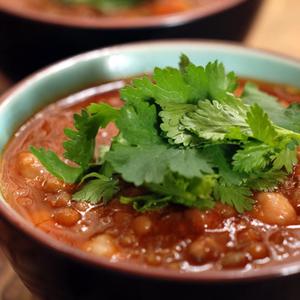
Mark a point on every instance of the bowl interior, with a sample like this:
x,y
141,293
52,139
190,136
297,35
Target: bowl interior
x,y
126,61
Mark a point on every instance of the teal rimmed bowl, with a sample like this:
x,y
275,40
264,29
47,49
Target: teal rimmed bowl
x,y
53,270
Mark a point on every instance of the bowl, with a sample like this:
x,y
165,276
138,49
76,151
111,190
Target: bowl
x,y
32,39
53,270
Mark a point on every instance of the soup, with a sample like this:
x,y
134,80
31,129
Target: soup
x,y
130,9
175,235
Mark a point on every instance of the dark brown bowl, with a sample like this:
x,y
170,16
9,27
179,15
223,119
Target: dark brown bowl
x,y
32,39
55,271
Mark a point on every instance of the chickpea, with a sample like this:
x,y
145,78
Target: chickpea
x,y
233,259
81,206
281,236
128,239
122,218
29,165
194,216
66,216
153,259
201,220
142,225
297,168
53,185
248,236
277,237
62,199
257,250
102,245
225,211
274,209
295,200
40,216
298,153
205,249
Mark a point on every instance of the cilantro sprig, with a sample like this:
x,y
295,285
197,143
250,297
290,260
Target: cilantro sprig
x,y
106,6
185,138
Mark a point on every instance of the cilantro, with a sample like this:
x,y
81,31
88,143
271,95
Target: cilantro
x,y
253,156
218,81
286,159
262,128
138,123
146,203
214,120
79,148
287,118
142,164
55,166
171,123
150,163
266,181
105,5
237,196
186,85
95,190
185,138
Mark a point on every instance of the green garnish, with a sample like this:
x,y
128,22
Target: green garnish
x,y
185,138
105,6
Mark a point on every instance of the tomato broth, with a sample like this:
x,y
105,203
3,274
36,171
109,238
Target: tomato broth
x,y
174,237
146,8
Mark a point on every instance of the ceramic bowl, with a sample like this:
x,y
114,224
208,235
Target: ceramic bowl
x,y
55,271
31,39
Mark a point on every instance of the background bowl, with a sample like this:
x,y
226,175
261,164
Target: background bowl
x,y
55,271
32,39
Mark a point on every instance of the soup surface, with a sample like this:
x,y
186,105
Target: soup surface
x,y
146,8
174,237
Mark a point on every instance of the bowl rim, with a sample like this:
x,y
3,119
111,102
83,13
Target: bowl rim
x,y
136,270
121,23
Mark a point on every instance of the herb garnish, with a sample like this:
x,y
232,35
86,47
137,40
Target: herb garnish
x,y
185,138
105,5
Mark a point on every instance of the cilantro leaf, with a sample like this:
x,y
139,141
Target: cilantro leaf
x,y
188,162
189,84
221,155
138,123
291,118
105,5
214,120
286,159
218,81
103,113
150,163
185,138
141,164
267,180
80,146
56,166
146,203
253,156
195,77
171,123
283,117
100,189
262,128
237,196
186,192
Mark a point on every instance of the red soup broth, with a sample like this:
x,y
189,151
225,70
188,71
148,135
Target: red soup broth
x,y
146,8
174,237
